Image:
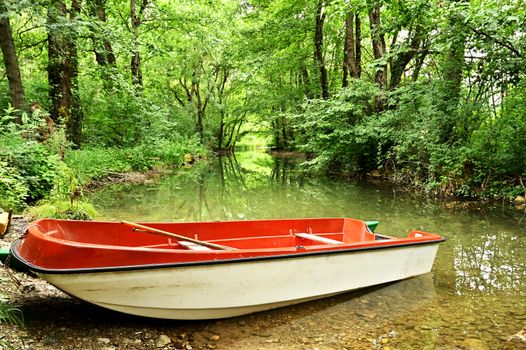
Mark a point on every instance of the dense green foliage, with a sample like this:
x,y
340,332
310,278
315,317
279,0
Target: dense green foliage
x,y
428,94
34,172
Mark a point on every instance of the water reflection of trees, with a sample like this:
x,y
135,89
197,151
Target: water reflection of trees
x,y
247,189
489,262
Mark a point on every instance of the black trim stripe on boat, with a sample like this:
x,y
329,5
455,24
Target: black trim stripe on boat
x,y
34,268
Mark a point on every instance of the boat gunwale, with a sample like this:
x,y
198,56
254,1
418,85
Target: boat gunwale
x,y
37,269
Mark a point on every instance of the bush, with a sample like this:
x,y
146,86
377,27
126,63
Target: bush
x,y
463,151
497,148
327,130
96,163
13,188
31,171
31,167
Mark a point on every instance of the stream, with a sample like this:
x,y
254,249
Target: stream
x,y
474,297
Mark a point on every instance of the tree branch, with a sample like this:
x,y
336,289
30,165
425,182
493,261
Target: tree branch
x,y
504,43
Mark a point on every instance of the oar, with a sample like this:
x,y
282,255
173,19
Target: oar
x,y
175,235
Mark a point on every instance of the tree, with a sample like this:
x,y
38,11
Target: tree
x,y
136,19
12,68
63,68
452,67
352,51
403,53
102,46
378,44
318,46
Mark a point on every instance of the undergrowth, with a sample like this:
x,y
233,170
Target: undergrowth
x,y
46,177
481,156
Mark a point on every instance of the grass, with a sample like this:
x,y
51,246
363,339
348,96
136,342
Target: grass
x,y
10,314
62,209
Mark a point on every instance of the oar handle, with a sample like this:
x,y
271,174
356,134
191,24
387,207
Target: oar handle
x,y
175,235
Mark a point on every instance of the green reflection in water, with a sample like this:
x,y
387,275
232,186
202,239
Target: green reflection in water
x,y
479,274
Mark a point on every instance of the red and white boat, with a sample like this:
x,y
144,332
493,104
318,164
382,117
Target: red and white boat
x,y
207,270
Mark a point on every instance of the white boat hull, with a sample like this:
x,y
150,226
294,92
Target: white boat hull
x,y
219,290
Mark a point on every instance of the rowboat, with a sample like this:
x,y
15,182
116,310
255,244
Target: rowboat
x,y
208,270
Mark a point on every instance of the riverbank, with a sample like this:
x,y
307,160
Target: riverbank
x,y
53,177
406,181
446,199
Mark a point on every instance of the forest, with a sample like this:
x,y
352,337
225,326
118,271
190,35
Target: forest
x,y
430,95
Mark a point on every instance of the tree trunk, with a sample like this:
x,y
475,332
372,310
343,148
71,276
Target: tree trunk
x,y
11,62
358,44
419,62
379,47
284,132
454,62
348,48
103,51
200,106
318,45
221,131
136,70
306,82
350,63
136,57
194,99
220,99
452,72
63,70
75,121
59,91
400,60
199,124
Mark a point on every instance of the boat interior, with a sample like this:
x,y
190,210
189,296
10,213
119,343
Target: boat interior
x,y
64,244
257,234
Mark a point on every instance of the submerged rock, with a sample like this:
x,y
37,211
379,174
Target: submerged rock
x,y
215,337
520,335
162,341
103,340
366,313
474,344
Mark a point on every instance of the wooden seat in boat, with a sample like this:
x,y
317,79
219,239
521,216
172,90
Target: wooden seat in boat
x,y
317,238
192,245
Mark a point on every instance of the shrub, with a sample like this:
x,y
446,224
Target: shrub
x,y
96,163
62,209
327,130
31,164
13,188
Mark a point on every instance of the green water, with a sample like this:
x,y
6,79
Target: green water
x,y
477,288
